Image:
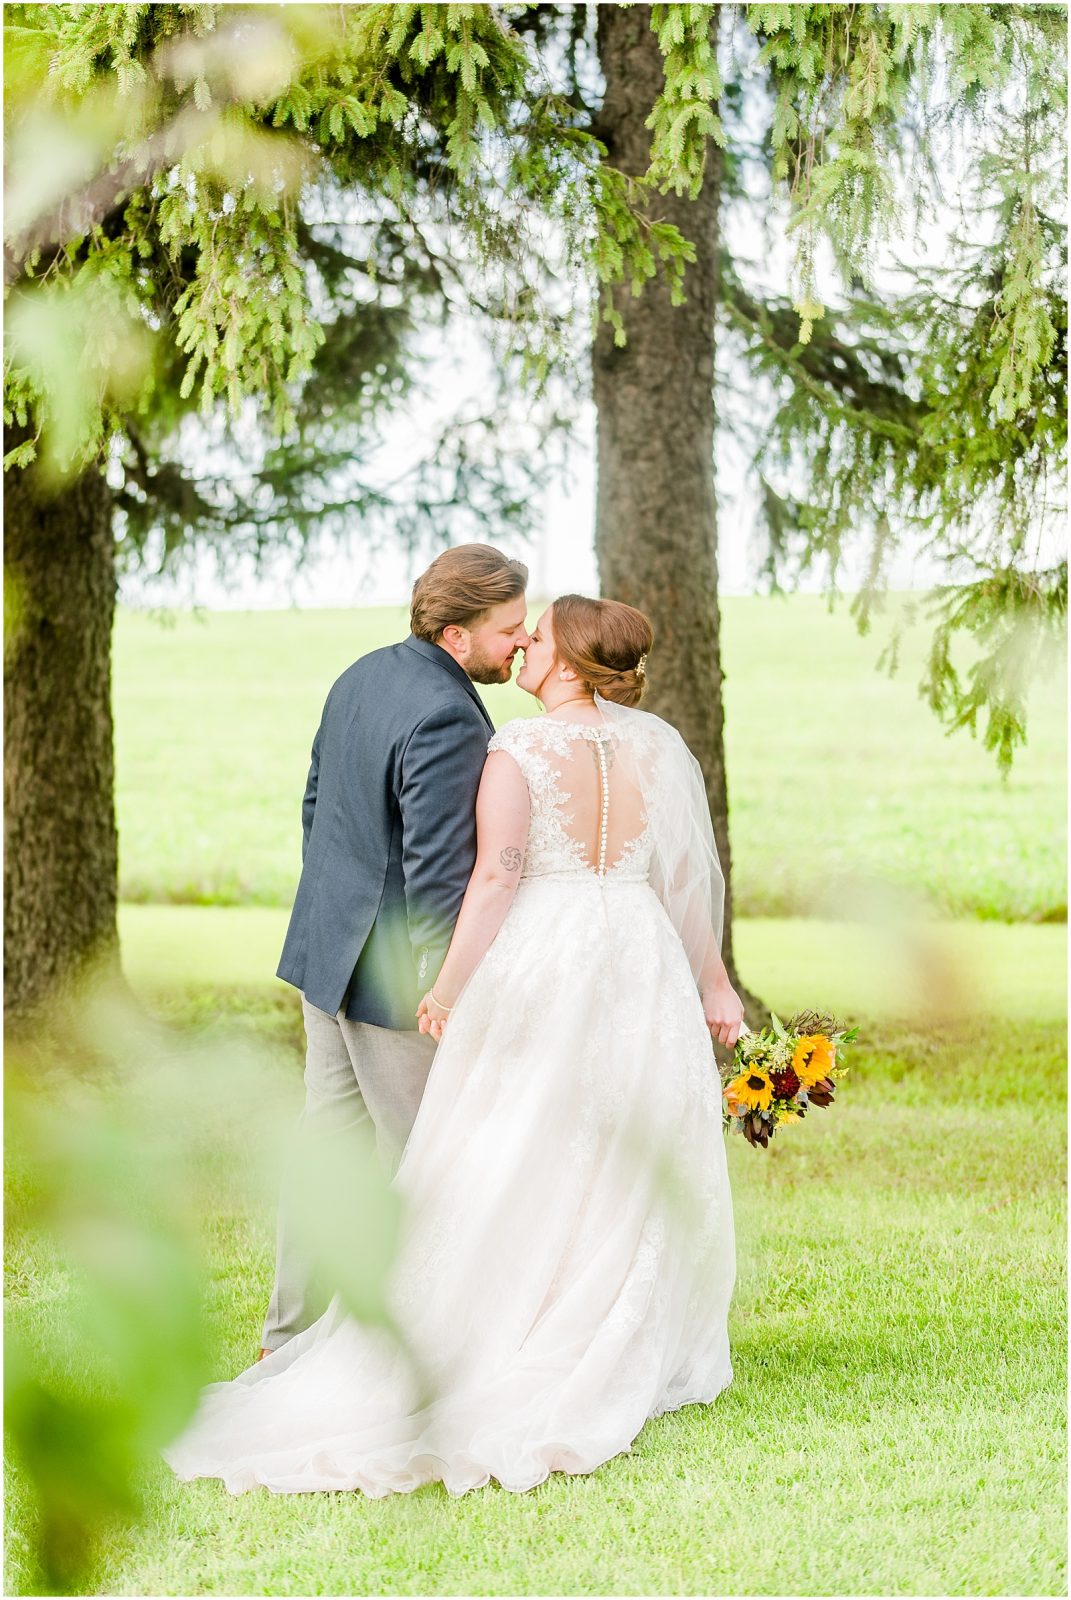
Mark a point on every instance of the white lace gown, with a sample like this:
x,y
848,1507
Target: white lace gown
x,y
569,1257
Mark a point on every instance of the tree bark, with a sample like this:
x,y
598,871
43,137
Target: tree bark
x,y
61,849
656,516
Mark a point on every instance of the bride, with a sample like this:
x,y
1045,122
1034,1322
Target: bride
x,y
568,1257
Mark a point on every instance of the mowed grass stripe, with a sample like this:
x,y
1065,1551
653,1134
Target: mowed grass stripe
x,y
927,971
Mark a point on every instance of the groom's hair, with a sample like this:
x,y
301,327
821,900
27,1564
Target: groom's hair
x,y
461,586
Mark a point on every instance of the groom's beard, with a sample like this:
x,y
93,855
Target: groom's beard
x,y
481,669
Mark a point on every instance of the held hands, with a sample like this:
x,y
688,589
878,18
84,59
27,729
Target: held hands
x,y
723,1012
431,1016
722,1009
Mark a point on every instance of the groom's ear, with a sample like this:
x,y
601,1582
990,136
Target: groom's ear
x,y
455,637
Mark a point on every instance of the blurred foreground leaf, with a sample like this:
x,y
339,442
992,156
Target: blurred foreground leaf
x,y
349,1218
126,1144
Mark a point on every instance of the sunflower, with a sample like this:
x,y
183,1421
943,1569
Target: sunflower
x,y
752,1088
812,1058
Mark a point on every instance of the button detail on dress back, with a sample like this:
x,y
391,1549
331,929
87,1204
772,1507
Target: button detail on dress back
x,y
605,788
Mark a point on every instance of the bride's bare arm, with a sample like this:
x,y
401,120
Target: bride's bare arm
x,y
722,1008
502,814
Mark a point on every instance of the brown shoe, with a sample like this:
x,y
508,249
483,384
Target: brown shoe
x,y
262,1354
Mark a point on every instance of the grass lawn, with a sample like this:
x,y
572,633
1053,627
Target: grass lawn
x,y
840,779
922,970
895,1424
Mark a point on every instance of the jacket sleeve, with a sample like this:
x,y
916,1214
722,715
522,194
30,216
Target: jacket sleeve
x,y
308,804
440,776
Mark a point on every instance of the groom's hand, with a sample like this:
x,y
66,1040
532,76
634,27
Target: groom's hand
x,y
431,1016
724,1013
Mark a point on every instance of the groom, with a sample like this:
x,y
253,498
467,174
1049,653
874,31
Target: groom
x,y
389,844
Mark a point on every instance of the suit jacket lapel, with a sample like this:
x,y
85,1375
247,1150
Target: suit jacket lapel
x,y
435,653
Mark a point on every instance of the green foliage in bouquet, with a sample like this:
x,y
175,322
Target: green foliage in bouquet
x,y
777,1073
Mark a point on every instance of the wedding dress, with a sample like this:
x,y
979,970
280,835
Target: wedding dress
x,y
568,1258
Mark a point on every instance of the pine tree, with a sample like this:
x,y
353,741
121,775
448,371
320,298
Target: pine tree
x,y
166,256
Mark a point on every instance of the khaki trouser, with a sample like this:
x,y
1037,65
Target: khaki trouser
x,y
354,1073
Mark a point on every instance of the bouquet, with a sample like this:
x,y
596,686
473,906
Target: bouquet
x,y
777,1073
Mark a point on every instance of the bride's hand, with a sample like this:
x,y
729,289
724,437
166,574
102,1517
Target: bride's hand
x,y
724,1012
431,1016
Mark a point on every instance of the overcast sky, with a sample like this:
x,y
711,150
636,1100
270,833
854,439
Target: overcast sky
x,y
561,560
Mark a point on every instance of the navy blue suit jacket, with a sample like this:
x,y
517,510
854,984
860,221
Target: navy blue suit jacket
x,y
389,821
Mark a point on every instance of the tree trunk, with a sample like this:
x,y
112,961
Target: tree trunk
x,y
61,849
656,517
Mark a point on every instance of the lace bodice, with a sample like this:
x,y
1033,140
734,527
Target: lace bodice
x,y
587,816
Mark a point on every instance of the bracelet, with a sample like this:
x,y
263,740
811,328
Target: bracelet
x,y
438,1002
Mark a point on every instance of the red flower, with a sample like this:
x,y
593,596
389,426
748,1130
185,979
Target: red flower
x,y
785,1083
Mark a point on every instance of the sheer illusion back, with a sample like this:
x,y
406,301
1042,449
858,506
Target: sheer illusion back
x,y
587,797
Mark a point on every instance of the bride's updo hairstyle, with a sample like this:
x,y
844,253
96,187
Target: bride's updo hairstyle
x,y
606,643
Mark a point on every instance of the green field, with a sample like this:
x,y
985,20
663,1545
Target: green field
x,y
896,1420
843,788
896,1423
